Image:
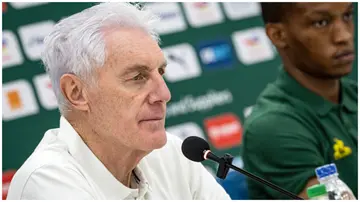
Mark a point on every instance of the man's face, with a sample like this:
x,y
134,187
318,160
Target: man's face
x,y
129,104
320,38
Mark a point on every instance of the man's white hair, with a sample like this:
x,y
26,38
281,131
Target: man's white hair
x,y
77,46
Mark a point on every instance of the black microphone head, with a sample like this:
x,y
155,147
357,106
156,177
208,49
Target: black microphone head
x,y
193,148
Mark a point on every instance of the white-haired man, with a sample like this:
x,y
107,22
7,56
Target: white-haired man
x,y
106,69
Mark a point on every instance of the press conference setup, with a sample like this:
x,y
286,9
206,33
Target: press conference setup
x,y
179,100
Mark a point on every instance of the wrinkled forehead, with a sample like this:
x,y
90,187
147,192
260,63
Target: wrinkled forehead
x,y
128,46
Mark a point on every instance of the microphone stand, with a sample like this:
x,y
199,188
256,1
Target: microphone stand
x,y
225,163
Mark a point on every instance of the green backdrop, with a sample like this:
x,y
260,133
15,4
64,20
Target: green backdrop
x,y
241,83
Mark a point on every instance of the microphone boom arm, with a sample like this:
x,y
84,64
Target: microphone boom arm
x,y
225,163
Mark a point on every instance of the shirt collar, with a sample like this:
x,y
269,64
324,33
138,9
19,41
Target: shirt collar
x,y
109,185
322,106
346,101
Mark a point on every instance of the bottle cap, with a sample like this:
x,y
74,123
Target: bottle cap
x,y
325,170
316,190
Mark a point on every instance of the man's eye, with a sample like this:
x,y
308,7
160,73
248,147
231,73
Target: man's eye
x,y
321,23
162,71
139,77
348,16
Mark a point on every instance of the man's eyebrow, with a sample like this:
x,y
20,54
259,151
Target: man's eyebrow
x,y
136,68
325,12
318,12
141,68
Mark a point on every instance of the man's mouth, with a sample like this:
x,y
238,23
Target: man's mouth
x,y
346,56
156,118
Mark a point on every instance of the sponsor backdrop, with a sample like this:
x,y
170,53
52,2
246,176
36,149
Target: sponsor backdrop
x,y
219,61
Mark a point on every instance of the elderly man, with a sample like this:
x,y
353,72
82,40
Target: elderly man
x,y
106,69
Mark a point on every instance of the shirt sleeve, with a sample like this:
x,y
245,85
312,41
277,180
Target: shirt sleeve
x,y
56,182
283,150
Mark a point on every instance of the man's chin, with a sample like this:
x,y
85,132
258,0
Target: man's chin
x,y
336,73
160,140
342,70
340,74
156,140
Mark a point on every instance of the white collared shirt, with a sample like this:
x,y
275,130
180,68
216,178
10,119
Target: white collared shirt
x,y
63,167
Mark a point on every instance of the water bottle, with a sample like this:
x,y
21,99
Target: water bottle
x,y
317,192
336,188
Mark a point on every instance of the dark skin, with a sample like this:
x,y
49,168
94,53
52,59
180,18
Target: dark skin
x,y
316,44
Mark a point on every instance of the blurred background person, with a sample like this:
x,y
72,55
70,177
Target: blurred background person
x,y
308,116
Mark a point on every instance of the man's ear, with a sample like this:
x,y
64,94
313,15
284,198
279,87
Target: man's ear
x,y
277,34
73,89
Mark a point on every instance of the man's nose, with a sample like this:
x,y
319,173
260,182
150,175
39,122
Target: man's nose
x,y
343,33
161,92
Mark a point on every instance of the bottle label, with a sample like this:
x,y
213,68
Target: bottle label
x,y
325,170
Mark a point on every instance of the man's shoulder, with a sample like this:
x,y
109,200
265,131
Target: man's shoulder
x,y
350,82
43,162
278,111
45,157
52,179
49,157
273,103
274,118
50,151
280,125
351,87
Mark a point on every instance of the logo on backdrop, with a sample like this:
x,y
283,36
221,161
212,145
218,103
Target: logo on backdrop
x,y
18,100
45,92
171,18
224,131
6,179
185,130
241,10
206,102
4,7
200,14
252,46
182,63
32,37
21,5
216,54
11,54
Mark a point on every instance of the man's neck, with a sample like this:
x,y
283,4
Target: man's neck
x,y
118,159
329,89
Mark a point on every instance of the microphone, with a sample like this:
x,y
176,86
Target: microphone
x,y
197,149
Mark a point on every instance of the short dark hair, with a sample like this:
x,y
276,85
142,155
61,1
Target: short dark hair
x,y
275,12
